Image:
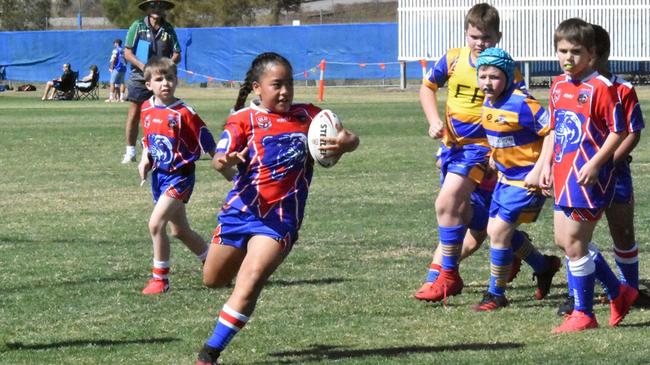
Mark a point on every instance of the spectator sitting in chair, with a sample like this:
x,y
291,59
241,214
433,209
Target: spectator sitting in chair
x,y
63,83
87,80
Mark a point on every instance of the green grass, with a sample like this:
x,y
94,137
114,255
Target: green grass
x,y
75,253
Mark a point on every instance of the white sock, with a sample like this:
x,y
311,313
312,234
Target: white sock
x,y
130,150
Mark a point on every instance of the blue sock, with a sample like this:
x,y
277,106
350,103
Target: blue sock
x,y
569,277
584,278
451,241
434,272
604,273
228,324
500,264
527,252
627,262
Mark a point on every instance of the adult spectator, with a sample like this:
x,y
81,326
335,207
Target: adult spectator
x,y
147,37
63,83
117,69
86,81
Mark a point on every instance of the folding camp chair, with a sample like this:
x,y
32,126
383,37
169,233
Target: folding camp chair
x,y
66,89
90,92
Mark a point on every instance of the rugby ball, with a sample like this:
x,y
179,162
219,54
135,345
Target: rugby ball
x,y
324,124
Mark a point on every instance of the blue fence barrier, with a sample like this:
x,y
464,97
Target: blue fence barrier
x,y
352,51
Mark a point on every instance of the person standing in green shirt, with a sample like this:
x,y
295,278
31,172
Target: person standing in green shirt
x,y
150,36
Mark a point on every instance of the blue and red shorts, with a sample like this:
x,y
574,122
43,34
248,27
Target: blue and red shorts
x,y
581,214
174,185
235,228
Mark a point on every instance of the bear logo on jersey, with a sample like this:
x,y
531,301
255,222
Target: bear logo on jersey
x,y
284,152
160,148
568,133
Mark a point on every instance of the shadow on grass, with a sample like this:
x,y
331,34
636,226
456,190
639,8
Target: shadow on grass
x,y
322,352
635,325
84,281
14,346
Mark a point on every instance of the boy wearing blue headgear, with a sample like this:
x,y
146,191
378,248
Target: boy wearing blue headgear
x,y
515,124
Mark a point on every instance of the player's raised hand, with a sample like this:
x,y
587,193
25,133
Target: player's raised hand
x,y
225,162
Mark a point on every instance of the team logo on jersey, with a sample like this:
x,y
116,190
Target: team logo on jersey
x,y
568,133
161,149
501,119
147,121
284,152
172,121
264,122
583,96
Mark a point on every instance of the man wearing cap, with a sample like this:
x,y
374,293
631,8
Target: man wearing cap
x,y
150,36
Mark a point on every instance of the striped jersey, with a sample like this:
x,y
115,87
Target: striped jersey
x,y
464,98
583,113
515,126
273,183
174,135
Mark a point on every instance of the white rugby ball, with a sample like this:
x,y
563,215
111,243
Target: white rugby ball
x,y
324,124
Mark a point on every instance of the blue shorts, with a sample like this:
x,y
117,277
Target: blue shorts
x,y
515,204
137,91
480,200
174,185
469,161
117,77
623,188
481,196
235,228
581,214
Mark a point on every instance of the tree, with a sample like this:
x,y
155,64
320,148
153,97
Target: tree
x,y
277,6
24,14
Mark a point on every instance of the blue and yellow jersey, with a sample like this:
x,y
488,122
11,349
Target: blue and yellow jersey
x,y
515,126
464,98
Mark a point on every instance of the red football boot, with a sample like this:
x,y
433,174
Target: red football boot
x,y
575,322
448,283
620,306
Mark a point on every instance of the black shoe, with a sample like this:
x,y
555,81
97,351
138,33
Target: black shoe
x,y
545,279
491,302
566,308
207,356
643,300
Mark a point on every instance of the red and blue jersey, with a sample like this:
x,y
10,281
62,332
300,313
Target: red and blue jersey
x,y
630,104
174,135
583,113
273,183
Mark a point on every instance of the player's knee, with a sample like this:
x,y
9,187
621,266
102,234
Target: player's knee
x,y
214,281
156,227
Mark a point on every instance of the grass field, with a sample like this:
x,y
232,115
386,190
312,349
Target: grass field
x,y
75,253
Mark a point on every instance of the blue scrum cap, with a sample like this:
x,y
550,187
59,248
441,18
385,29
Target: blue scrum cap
x,y
500,59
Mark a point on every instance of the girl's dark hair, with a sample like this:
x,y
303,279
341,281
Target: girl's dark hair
x,y
262,62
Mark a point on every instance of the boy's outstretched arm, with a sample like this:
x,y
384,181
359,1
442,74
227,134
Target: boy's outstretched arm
x,y
429,104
